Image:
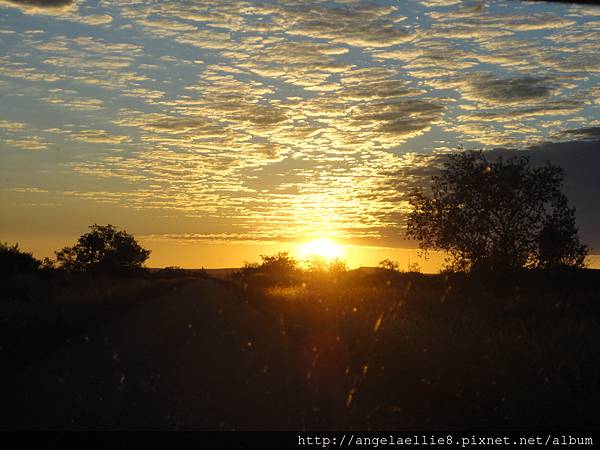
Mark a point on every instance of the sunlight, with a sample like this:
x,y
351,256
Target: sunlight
x,y
322,248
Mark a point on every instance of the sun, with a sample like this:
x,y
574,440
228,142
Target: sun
x,y
321,248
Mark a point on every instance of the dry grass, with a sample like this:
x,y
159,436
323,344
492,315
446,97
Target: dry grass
x,y
356,350
389,351
42,311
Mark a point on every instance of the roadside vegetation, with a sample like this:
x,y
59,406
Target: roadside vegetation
x,y
383,349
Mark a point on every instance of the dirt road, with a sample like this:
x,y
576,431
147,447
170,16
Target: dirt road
x,y
196,358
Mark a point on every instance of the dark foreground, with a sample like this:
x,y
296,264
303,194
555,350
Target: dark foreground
x,y
358,350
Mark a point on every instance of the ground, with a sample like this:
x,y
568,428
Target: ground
x,y
357,350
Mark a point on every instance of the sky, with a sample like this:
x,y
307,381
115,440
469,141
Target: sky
x,y
217,131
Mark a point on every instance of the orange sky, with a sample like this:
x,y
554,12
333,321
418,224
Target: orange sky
x,y
217,255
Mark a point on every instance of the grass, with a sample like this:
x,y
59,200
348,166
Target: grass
x,y
367,350
385,350
43,310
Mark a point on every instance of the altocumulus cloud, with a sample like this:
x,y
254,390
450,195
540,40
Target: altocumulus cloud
x,y
277,116
42,6
589,133
509,90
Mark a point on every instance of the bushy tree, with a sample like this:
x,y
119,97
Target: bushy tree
x,y
496,215
103,249
12,260
558,245
320,264
389,264
281,263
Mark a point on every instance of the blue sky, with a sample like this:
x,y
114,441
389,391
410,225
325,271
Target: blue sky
x,y
234,125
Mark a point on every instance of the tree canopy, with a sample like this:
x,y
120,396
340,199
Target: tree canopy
x,y
104,249
13,259
497,214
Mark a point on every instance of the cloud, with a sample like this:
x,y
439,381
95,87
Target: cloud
x,y
165,24
20,71
99,137
590,133
27,143
361,25
263,115
190,127
54,7
50,4
94,19
297,116
205,38
480,22
61,9
547,108
435,3
378,90
536,22
70,100
403,117
27,190
509,90
9,125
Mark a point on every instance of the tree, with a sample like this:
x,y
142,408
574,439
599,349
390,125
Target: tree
x,y
280,263
103,249
320,264
496,215
558,244
389,264
13,259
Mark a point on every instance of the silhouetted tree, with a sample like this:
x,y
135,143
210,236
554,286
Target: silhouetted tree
x,y
558,244
496,215
281,262
320,264
12,260
281,269
337,266
104,249
389,264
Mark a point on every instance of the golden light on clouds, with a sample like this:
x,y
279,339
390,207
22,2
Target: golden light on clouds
x,y
229,123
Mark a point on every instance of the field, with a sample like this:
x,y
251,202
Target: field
x,y
367,349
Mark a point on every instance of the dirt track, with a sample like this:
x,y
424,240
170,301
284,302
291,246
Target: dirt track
x,y
196,358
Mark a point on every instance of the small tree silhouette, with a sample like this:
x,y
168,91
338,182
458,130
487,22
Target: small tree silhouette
x,y
558,244
104,249
320,264
496,215
389,264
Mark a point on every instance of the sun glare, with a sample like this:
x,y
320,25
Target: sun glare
x,y
322,248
